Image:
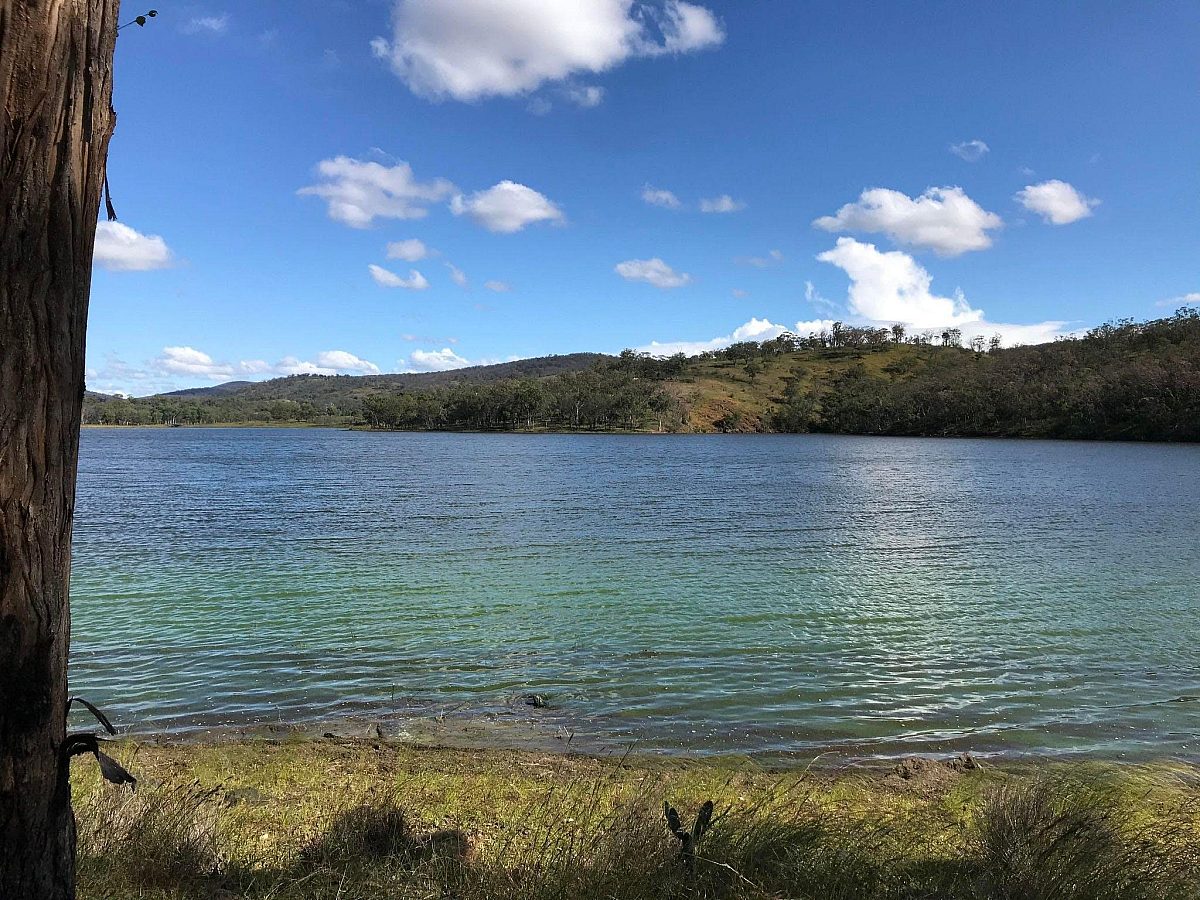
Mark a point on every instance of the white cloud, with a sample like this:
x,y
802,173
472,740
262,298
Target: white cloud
x,y
652,271
506,207
539,106
115,376
191,362
345,362
740,294
754,330
1012,335
437,360
943,219
327,362
410,250
1182,300
813,296
586,96
500,287
182,366
388,279
1056,202
971,151
892,287
121,249
358,192
685,27
209,24
761,262
457,275
659,197
722,204
888,287
471,49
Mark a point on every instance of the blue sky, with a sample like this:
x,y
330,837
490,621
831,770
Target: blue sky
x,y
548,176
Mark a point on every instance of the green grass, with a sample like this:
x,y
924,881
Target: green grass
x,y
714,389
360,820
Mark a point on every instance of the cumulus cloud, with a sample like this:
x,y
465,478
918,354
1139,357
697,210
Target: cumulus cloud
x,y
659,197
470,49
358,192
343,361
754,330
943,219
388,279
327,362
191,362
652,271
500,287
457,275
971,151
506,207
890,287
1056,202
437,360
410,250
119,248
722,204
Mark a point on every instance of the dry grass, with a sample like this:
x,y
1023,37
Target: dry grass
x,y
355,820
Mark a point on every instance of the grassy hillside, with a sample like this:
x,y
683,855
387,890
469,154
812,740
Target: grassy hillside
x,y
721,395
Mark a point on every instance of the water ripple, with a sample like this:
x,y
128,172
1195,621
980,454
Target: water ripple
x,y
780,595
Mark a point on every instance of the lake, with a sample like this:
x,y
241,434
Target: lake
x,y
781,596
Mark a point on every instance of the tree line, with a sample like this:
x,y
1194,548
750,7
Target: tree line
x,y
1121,381
605,398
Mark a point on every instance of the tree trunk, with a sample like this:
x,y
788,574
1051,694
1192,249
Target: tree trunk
x,y
56,120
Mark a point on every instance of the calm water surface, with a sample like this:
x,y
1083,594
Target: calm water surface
x,y
759,594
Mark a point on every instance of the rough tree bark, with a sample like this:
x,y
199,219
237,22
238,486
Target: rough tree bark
x,y
56,120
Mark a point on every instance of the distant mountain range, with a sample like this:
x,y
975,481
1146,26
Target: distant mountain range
x,y
316,388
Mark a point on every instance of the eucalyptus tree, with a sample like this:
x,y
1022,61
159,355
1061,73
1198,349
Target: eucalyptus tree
x,y
56,119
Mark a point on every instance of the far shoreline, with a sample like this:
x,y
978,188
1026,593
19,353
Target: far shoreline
x,y
361,429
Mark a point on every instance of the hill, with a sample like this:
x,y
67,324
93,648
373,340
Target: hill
x,y
318,388
217,390
1123,380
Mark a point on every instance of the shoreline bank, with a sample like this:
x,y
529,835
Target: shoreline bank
x,y
550,733
292,819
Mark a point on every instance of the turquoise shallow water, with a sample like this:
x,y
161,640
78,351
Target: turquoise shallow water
x,y
758,594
